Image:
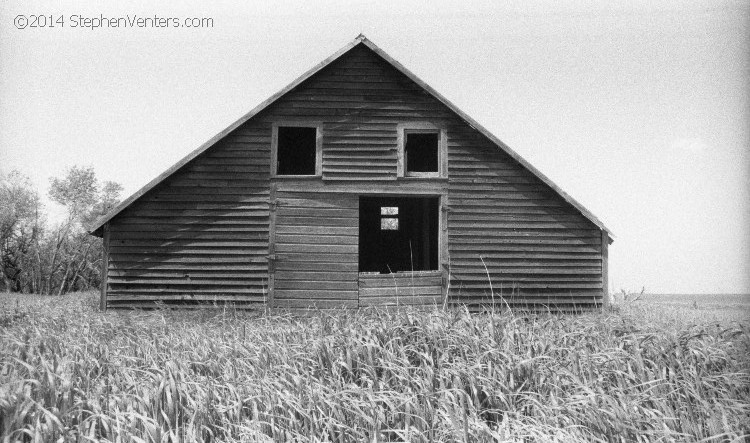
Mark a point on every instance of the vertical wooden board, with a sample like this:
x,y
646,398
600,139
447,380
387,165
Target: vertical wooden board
x,y
605,269
444,259
272,247
105,267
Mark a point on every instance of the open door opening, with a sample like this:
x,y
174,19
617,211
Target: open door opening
x,y
398,234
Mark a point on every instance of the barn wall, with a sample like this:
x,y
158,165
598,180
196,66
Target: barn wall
x,y
509,229
202,234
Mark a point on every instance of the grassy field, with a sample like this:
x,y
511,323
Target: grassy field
x,y
656,369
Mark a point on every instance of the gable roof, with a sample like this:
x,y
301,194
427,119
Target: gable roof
x,y
96,228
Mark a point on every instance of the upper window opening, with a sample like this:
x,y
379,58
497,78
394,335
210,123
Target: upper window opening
x,y
296,151
421,152
389,210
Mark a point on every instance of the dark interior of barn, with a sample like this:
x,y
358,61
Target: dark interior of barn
x,y
398,234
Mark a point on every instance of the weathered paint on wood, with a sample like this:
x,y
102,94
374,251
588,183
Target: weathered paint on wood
x,y
403,288
219,228
315,246
184,244
605,269
105,267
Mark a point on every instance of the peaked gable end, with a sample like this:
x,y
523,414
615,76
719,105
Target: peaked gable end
x,y
364,95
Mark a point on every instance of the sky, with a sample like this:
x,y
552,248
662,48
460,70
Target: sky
x,y
638,109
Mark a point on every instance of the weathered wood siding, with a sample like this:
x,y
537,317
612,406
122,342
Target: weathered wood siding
x,y
315,249
202,234
420,288
360,99
509,230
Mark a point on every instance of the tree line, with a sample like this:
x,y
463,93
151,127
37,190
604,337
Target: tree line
x,y
52,257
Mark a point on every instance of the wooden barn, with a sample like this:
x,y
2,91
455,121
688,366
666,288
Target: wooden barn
x,y
356,185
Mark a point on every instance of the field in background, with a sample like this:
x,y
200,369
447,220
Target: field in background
x,y
693,308
659,368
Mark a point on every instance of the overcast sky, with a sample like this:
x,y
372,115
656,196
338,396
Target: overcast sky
x,y
639,111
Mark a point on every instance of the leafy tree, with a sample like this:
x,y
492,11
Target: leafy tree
x,y
75,253
19,226
58,258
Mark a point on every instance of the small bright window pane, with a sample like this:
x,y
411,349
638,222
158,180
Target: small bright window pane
x,y
386,210
389,224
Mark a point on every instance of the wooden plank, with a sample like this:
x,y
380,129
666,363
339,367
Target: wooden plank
x,y
185,243
197,235
195,273
318,230
135,250
315,275
187,297
435,290
423,300
310,200
304,294
501,270
192,280
317,239
405,282
287,212
318,221
346,267
183,305
605,270
472,251
317,303
259,289
188,259
413,186
105,267
316,285
509,285
302,256
499,242
272,259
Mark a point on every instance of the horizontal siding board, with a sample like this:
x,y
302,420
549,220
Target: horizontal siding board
x,y
423,300
202,235
400,291
303,294
510,232
317,303
315,248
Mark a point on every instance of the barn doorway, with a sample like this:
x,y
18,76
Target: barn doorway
x,y
398,234
399,251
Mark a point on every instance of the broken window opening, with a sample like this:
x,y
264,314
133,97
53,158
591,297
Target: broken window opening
x,y
296,150
398,234
421,151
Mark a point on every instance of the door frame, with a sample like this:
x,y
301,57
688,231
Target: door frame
x,y
443,251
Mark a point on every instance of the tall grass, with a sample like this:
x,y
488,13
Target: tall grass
x,y
69,372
